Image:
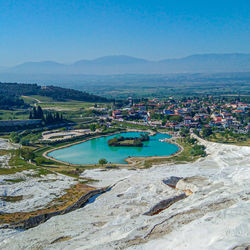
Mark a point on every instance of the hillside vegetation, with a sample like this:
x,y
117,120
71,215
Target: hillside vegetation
x,y
10,93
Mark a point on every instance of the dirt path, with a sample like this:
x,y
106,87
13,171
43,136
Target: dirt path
x,y
29,97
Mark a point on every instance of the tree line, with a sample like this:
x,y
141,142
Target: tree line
x,y
48,117
57,93
11,101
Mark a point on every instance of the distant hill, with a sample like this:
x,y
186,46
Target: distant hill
x,y
204,63
111,60
15,90
210,63
46,67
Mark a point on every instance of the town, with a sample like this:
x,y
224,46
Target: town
x,y
211,114
217,118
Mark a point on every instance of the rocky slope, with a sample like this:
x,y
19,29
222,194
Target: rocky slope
x,y
206,207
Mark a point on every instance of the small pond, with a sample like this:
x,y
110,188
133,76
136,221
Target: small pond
x,y
91,151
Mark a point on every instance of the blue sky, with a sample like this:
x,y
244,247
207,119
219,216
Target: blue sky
x,y
70,30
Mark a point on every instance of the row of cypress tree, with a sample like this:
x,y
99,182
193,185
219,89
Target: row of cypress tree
x,y
48,117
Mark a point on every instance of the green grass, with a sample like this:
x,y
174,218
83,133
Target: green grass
x,y
16,161
127,142
4,152
68,105
11,198
42,98
14,115
47,162
32,99
85,120
240,140
18,164
15,180
132,126
243,143
28,100
41,171
31,137
70,173
163,130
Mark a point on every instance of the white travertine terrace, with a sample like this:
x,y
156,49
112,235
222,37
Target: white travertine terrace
x,y
215,216
37,192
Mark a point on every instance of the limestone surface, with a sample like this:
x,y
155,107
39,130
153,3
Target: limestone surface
x,y
214,215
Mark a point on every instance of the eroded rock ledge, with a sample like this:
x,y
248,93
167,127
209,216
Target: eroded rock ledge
x,y
36,220
165,204
187,185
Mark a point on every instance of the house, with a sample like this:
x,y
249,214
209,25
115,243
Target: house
x,y
116,114
168,111
187,120
201,116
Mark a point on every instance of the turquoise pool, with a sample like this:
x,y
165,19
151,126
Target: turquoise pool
x,y
91,151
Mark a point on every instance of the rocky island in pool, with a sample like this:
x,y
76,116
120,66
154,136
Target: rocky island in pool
x,y
128,141
90,151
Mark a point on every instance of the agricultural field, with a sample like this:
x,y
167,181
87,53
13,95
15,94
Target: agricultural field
x,y
50,104
19,114
236,139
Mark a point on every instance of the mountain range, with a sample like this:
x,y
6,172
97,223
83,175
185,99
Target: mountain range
x,y
121,64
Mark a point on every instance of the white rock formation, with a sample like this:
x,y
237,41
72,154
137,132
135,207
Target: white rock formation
x,y
37,192
215,216
5,144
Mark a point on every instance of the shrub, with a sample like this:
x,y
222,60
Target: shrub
x,y
39,160
26,153
103,161
198,150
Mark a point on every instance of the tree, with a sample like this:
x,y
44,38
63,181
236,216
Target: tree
x,y
92,127
39,161
113,141
208,110
206,132
176,118
34,113
103,161
39,113
198,150
26,153
191,140
15,137
184,132
196,132
24,142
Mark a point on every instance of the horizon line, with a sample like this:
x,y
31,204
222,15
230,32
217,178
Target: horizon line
x,y
117,55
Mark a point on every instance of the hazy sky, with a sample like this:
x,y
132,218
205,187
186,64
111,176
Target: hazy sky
x,y
69,30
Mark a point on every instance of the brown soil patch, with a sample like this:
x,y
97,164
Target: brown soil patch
x,y
72,195
11,198
60,239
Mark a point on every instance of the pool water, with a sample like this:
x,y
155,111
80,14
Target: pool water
x,y
91,151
